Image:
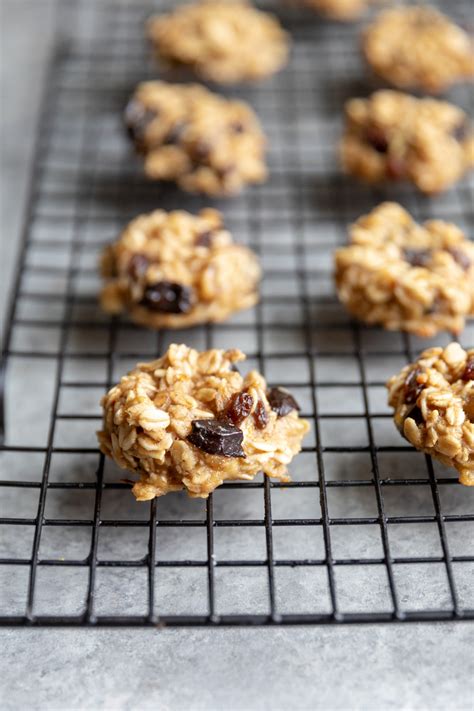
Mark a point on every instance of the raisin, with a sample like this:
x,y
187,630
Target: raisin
x,y
377,139
217,436
281,401
237,127
225,170
167,297
137,119
417,415
138,265
395,168
239,407
412,387
260,416
175,134
460,257
461,131
468,373
417,257
201,150
204,239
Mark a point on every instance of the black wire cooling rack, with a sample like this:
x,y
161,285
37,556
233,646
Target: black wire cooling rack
x,y
369,530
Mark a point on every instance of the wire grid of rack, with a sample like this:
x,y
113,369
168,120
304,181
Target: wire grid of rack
x,y
368,530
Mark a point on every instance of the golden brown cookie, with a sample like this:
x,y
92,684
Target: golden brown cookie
x,y
393,136
190,421
202,141
225,42
433,400
343,10
418,48
406,276
174,269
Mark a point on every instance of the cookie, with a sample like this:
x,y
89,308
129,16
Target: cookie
x,y
174,269
433,400
224,42
393,136
418,48
200,140
189,420
343,10
405,276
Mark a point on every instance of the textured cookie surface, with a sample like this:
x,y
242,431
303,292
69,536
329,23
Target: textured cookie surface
x,y
433,400
338,9
394,136
202,141
226,42
418,47
406,276
174,269
190,421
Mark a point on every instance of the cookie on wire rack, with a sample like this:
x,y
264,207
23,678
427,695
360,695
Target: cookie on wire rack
x,y
189,420
392,136
204,142
433,401
222,41
174,270
341,10
405,276
417,47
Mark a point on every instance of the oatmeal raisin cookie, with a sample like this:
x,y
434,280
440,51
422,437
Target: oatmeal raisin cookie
x,y
343,10
394,136
402,275
225,42
202,141
418,47
189,420
433,400
174,269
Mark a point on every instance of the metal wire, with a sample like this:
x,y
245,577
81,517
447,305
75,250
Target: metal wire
x,y
86,182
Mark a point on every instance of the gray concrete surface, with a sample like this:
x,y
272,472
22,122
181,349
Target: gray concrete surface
x,y
368,667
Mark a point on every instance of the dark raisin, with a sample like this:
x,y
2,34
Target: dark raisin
x,y
468,370
281,401
167,297
226,170
412,387
201,150
461,131
137,119
395,168
435,307
260,416
217,436
239,407
237,126
417,257
138,265
460,257
204,239
175,134
417,415
377,139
